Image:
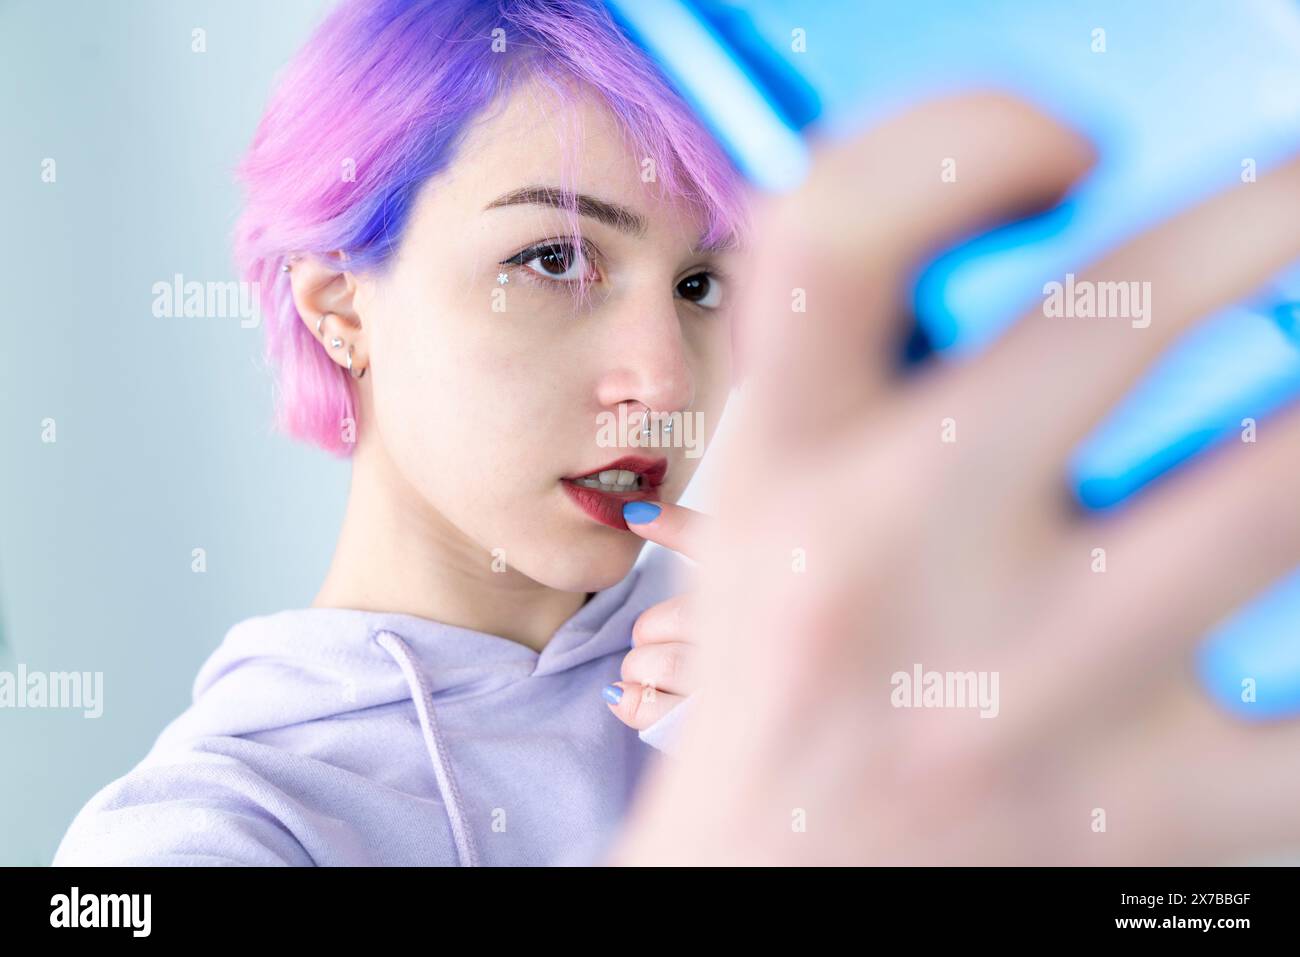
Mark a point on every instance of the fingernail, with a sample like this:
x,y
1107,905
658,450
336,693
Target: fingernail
x,y
612,693
638,513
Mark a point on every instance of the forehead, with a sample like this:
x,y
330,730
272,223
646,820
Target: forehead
x,y
533,136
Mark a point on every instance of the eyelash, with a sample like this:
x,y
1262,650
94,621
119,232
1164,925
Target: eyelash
x,y
538,250
521,259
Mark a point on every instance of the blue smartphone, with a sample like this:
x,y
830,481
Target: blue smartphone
x,y
1183,98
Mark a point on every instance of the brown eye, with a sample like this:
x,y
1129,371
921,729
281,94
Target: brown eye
x,y
702,289
557,260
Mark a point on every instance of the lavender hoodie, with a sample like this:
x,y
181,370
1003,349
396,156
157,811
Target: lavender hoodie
x,y
334,736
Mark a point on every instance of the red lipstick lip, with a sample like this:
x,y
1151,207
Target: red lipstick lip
x,y
653,470
607,507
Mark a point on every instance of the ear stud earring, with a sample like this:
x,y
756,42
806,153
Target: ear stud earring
x,y
336,342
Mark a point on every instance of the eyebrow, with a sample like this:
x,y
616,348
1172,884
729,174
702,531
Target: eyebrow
x,y
620,217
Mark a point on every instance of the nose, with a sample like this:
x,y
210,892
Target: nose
x,y
651,362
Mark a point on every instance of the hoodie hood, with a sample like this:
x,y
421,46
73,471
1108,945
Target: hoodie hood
x,y
307,664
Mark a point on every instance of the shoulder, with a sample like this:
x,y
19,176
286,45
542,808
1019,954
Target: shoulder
x,y
199,806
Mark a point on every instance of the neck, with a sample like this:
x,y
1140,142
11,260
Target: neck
x,y
396,555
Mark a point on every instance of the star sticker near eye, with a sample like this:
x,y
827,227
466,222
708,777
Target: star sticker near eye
x,y
503,278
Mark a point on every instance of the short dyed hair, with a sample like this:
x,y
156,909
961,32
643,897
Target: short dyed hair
x,y
390,86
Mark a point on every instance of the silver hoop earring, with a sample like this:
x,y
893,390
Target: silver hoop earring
x,y
355,375
319,321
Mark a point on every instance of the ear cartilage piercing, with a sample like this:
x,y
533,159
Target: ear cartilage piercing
x,y
319,321
355,375
336,343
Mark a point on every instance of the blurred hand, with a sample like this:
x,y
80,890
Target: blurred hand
x,y
870,524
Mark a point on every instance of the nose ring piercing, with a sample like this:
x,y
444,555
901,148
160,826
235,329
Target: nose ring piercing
x,y
645,419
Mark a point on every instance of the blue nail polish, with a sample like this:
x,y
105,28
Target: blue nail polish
x,y
612,693
638,513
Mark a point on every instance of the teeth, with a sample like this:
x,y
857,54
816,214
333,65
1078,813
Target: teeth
x,y
611,480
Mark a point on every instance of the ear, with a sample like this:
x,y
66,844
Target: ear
x,y
325,293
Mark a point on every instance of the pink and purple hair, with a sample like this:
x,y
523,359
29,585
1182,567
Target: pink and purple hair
x,y
385,88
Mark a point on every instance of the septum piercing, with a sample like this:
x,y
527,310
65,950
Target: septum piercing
x,y
645,419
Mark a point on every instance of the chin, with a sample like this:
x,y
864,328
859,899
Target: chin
x,y
592,562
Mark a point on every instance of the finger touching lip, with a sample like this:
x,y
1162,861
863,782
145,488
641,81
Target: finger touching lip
x,y
672,526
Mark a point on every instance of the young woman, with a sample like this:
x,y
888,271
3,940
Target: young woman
x,y
484,230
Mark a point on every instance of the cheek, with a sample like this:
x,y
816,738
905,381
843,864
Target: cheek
x,y
461,404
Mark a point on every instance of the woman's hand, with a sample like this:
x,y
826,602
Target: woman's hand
x,y
661,669
870,524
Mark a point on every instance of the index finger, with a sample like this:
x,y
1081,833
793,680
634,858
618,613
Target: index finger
x,y
671,526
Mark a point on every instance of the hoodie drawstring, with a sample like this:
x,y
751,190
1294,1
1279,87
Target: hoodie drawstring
x,y
466,852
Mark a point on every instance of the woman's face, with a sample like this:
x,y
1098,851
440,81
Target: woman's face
x,y
488,377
